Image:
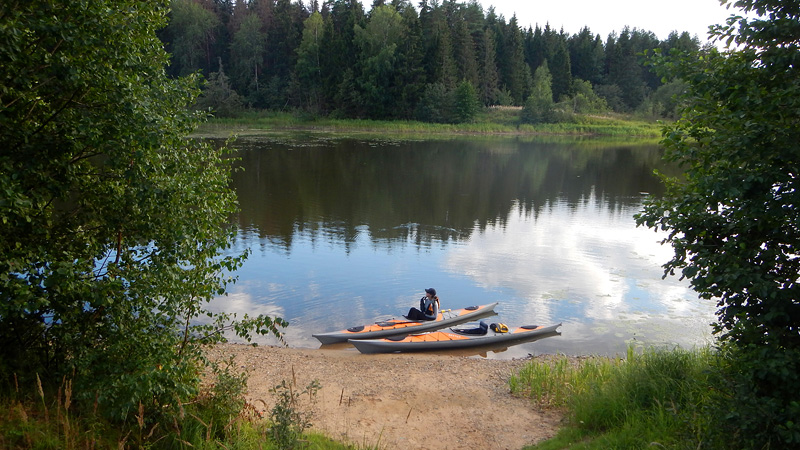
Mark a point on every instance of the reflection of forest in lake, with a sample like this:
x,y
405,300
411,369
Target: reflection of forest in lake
x,y
435,190
345,231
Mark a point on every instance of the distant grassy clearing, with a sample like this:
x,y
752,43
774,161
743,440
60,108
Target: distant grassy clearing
x,y
492,121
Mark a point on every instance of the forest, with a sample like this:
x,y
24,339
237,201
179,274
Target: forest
x,y
435,62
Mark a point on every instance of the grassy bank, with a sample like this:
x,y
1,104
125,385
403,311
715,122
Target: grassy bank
x,y
650,399
494,121
654,399
45,418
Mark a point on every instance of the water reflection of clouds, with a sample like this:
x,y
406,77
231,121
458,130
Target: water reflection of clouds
x,y
549,257
578,262
353,250
241,302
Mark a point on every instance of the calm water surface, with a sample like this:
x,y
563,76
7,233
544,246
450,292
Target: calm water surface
x,y
344,232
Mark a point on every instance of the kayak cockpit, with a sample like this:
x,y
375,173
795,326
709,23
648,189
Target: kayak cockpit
x,y
480,330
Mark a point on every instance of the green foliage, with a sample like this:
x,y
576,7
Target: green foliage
x,y
585,100
218,418
487,81
247,56
337,59
587,56
626,69
435,105
550,46
288,421
114,228
514,72
554,384
217,408
539,106
754,413
308,71
336,53
612,95
644,384
493,120
653,398
219,97
664,102
442,105
32,418
192,30
465,103
379,42
733,222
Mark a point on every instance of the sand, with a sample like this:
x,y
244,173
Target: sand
x,y
399,401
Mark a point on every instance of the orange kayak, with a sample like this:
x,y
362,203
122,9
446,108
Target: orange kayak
x,y
455,338
394,327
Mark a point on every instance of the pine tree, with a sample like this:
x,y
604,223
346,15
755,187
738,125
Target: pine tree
x,y
308,71
516,76
193,29
539,105
337,55
488,83
558,62
439,64
464,52
583,56
378,43
219,97
410,76
247,54
465,102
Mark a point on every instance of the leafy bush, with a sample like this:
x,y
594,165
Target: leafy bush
x,y
288,421
585,100
114,229
732,220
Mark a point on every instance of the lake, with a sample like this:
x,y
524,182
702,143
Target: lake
x,y
347,231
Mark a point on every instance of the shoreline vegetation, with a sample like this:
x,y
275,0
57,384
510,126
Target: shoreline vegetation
x,y
498,121
113,247
648,397
605,402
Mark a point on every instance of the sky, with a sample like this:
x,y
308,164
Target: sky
x,y
604,17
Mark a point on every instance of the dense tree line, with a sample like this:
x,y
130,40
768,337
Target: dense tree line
x,y
436,62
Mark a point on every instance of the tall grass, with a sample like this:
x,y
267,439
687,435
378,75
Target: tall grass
x,y
655,398
32,417
36,417
554,383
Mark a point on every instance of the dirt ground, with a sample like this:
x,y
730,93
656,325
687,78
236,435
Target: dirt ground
x,y
414,401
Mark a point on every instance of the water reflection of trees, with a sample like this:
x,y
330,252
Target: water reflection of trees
x,y
428,191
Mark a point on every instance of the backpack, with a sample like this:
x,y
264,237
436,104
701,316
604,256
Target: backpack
x,y
499,327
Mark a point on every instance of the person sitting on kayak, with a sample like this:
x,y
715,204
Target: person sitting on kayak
x,y
428,307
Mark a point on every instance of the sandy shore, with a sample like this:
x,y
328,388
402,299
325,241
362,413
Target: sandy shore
x,y
400,401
